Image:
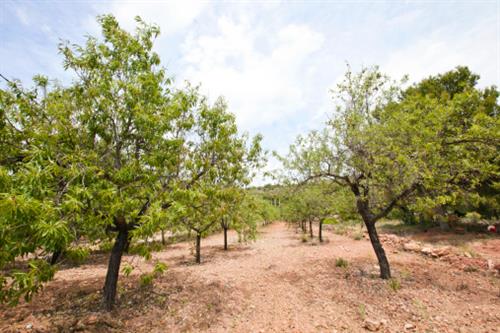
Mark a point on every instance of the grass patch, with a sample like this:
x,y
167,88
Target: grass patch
x,y
357,236
394,284
341,262
362,311
405,274
468,251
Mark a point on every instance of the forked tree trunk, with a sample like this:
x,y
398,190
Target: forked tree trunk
x,y
311,228
109,292
385,270
320,232
225,238
198,248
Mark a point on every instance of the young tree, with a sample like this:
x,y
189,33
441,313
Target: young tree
x,y
383,147
131,128
222,162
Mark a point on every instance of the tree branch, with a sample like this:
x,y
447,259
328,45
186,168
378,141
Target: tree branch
x,y
394,201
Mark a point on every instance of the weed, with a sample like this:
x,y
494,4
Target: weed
x,y
341,262
405,274
421,308
362,311
357,236
394,284
146,280
305,238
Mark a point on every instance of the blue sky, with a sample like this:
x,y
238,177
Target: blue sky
x,y
274,61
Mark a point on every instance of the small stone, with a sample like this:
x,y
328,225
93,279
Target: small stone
x,y
409,327
443,251
372,325
29,326
412,246
467,254
426,250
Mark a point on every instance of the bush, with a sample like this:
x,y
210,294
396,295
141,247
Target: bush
x,y
473,217
77,255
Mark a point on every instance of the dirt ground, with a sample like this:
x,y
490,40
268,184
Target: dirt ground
x,y
279,284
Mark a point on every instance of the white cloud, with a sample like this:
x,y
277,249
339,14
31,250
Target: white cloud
x,y
172,16
445,49
260,72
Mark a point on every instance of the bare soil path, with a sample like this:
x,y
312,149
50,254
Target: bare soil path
x,y
276,284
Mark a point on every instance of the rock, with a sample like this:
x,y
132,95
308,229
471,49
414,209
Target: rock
x,y
412,246
372,325
467,254
29,326
409,327
426,250
440,252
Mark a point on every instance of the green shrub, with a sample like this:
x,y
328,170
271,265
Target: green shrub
x,y
77,255
106,245
147,279
473,217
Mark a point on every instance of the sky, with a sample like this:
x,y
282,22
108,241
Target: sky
x,y
275,62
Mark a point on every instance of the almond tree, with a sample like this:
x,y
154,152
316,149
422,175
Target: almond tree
x,y
384,146
223,163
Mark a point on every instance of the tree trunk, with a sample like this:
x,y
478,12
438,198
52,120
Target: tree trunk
x,y
225,238
311,228
321,230
55,256
198,248
303,226
385,270
162,237
115,259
